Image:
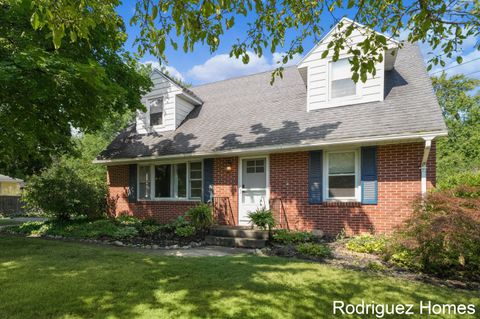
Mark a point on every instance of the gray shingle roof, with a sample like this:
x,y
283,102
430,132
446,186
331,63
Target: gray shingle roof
x,y
247,112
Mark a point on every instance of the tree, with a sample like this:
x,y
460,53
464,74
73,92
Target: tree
x,y
75,186
47,91
459,152
443,25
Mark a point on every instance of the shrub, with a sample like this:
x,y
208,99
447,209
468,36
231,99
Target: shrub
x,y
286,237
185,231
452,181
314,250
181,227
129,220
262,218
367,243
61,193
443,234
200,216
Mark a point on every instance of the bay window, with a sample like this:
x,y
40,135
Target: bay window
x,y
170,181
342,175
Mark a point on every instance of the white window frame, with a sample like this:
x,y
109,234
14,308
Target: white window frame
x,y
357,197
149,99
173,182
343,99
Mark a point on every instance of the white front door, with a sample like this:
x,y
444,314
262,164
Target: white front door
x,y
253,187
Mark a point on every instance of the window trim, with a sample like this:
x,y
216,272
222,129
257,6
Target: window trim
x,y
172,182
357,197
341,99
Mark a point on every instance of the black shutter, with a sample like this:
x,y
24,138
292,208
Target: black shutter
x,y
132,183
369,175
315,175
207,179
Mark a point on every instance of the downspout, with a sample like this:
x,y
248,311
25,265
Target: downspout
x,y
426,152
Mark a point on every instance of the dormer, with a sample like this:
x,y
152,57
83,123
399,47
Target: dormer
x,y
330,84
167,104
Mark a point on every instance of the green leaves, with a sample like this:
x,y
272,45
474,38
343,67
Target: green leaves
x,y
46,92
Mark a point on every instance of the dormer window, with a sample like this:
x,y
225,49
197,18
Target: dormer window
x,y
341,83
156,111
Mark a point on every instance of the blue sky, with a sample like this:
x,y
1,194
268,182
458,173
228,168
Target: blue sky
x,y
203,67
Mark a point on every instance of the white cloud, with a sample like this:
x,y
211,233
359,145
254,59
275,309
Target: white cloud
x,y
170,69
222,66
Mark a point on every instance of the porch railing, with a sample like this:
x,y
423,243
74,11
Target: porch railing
x,y
222,210
279,213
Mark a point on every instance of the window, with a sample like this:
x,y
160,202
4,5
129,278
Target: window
x,y
342,175
156,111
196,180
255,166
144,182
180,180
341,83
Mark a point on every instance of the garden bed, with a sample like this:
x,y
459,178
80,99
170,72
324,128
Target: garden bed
x,y
126,231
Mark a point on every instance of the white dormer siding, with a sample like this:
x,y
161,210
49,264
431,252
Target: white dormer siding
x,y
318,75
177,104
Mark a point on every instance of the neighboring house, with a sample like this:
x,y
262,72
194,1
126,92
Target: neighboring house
x,y
318,149
10,191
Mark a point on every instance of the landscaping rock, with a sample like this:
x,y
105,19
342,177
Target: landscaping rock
x,y
118,243
155,247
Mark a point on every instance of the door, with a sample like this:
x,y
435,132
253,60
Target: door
x,y
253,187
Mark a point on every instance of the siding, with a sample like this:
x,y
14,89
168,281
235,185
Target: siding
x,y
318,84
182,109
165,88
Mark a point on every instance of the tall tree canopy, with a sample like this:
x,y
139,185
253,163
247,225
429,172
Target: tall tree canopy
x,y
460,150
47,91
269,25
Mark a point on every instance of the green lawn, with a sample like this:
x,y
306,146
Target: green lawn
x,y
47,279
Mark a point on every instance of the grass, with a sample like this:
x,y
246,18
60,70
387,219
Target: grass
x,y
48,279
8,222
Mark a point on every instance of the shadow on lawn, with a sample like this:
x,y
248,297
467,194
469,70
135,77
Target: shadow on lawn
x,y
49,279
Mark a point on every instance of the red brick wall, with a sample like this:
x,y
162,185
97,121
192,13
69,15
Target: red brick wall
x,y
398,185
163,211
226,190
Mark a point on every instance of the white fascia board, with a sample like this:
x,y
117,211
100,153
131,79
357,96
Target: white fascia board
x,y
394,42
282,148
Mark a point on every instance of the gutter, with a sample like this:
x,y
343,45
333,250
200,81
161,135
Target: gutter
x,y
277,148
426,152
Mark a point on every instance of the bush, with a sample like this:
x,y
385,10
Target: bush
x,y
314,250
452,181
181,227
286,237
262,218
442,236
200,216
61,193
367,243
77,229
185,231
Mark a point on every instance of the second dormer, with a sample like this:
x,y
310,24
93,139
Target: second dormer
x,y
167,105
329,83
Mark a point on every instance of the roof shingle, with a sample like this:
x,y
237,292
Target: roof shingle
x,y
247,112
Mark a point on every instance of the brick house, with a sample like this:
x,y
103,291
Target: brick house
x,y
319,150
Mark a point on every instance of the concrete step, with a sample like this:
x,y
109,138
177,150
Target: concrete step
x,y
235,242
238,232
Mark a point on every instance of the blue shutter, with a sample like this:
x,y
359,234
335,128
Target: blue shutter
x,y
369,175
132,183
315,174
207,179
